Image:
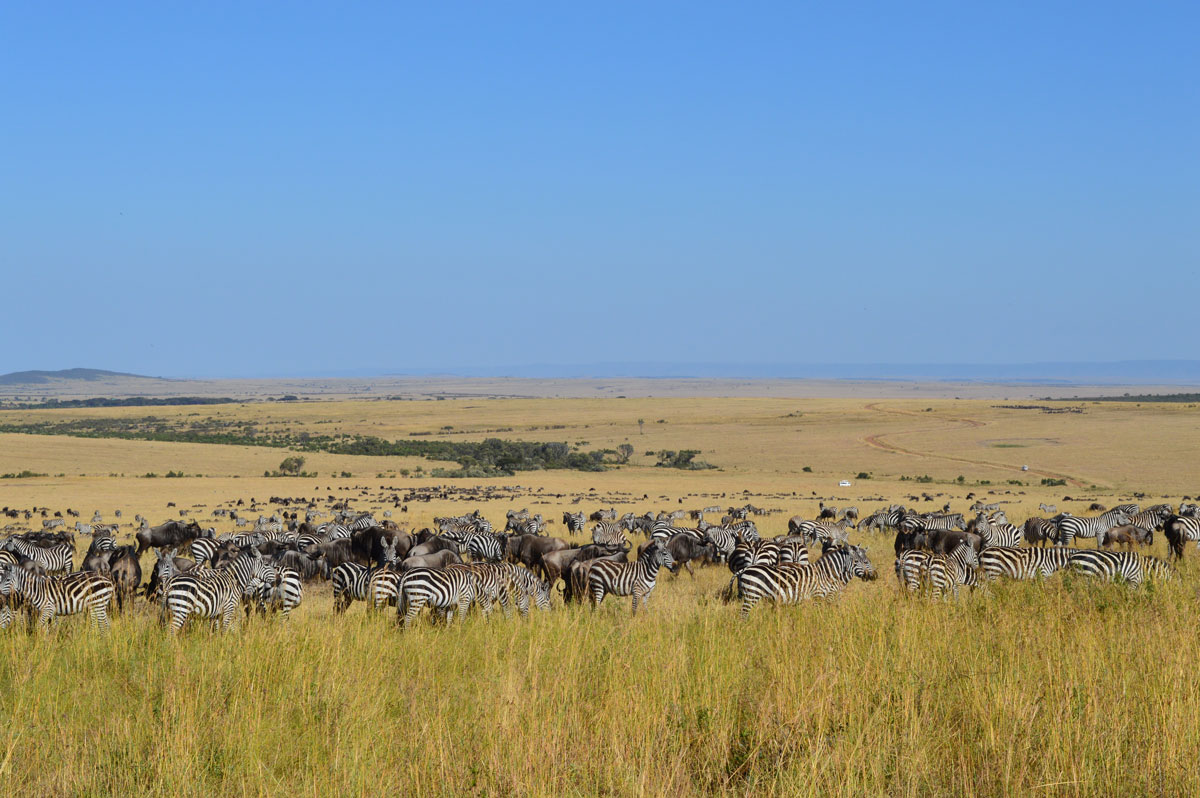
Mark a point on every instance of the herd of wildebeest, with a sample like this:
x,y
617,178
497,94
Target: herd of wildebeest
x,y
462,561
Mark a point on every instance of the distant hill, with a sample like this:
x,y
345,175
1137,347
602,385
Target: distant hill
x,y
43,377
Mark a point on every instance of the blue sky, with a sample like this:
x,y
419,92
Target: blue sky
x,y
277,189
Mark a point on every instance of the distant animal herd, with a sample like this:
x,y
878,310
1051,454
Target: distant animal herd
x,y
462,562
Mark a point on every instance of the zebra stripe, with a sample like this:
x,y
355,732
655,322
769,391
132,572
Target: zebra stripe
x,y
1124,565
350,582
791,584
1076,526
51,596
443,589
1022,564
52,559
610,533
279,590
635,579
213,594
948,571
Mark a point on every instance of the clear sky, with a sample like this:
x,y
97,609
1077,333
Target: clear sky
x,y
230,189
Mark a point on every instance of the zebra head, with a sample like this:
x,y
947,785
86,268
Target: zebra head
x,y
861,565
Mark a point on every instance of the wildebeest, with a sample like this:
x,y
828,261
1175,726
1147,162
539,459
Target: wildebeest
x,y
684,548
126,572
575,578
172,533
434,545
943,541
1125,535
437,559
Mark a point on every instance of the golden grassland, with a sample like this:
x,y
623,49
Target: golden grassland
x,y
1062,688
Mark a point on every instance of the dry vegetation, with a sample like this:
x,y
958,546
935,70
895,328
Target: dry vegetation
x,y
1066,688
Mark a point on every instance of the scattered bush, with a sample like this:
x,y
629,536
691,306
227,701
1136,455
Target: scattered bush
x,y
1054,483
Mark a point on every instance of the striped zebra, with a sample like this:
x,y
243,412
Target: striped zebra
x,y
882,520
52,559
482,546
635,579
101,545
443,589
948,571
1076,526
525,585
204,550
665,529
997,533
791,584
912,568
279,590
1022,564
1179,529
723,539
1049,509
1152,518
610,533
744,530
574,522
1126,566
68,594
349,585
213,593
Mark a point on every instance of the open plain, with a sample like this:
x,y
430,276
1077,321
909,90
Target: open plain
x,y
1065,687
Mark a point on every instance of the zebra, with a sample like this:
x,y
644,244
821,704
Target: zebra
x,y
997,533
1152,518
1049,509
791,584
483,546
883,519
52,559
101,545
1179,530
204,550
1125,565
524,585
350,582
1075,526
213,593
744,530
610,533
279,589
443,589
723,539
948,571
1022,564
574,522
68,594
912,568
635,579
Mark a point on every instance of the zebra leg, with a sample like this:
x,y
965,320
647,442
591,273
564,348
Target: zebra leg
x,y
414,607
597,596
637,594
227,616
464,602
44,616
100,617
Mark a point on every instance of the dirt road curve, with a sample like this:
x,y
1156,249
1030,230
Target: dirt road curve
x,y
877,442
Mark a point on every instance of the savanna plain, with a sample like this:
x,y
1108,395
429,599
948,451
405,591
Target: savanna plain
x,y
1061,687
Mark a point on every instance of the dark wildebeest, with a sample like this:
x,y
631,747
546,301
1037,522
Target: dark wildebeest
x,y
576,576
307,567
531,548
126,573
1179,529
335,553
915,539
432,546
438,559
943,541
1126,535
554,564
684,548
172,533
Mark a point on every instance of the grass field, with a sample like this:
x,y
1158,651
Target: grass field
x,y
1066,688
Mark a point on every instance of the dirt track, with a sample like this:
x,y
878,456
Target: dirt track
x,y
877,442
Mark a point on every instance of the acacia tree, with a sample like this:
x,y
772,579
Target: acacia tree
x,y
291,465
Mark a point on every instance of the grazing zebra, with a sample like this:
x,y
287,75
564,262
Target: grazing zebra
x,y
1023,564
68,594
524,585
443,589
52,559
635,579
1050,509
1076,526
610,533
884,519
279,589
1125,565
948,571
213,593
791,584
1179,530
1040,530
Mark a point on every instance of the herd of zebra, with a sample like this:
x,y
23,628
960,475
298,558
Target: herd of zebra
x,y
462,561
